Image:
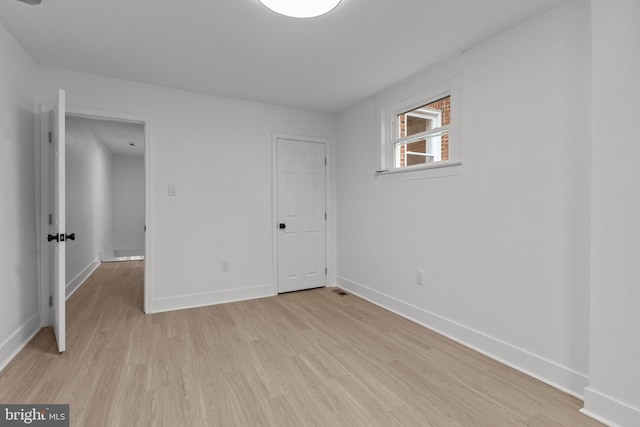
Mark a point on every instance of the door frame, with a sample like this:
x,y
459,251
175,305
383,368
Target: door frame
x,y
45,198
274,198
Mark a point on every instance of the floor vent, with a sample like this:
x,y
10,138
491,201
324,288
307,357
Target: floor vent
x,y
340,292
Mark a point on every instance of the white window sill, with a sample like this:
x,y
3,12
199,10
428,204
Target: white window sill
x,y
434,170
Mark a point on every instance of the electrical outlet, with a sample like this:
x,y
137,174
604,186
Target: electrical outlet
x,y
224,266
419,278
173,191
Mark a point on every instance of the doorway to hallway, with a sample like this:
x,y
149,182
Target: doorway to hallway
x,y
101,146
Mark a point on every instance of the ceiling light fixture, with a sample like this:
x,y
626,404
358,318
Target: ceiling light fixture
x,y
31,2
301,9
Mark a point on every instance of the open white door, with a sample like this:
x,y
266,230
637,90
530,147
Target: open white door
x,y
58,237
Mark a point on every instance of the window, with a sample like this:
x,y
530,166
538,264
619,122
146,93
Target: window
x,y
423,134
420,132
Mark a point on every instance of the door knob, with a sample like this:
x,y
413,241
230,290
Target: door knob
x,y
51,237
71,236
282,226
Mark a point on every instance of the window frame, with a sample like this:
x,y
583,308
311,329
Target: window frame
x,y
426,135
388,129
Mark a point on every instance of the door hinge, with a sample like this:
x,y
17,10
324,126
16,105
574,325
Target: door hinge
x,y
50,219
50,300
50,138
325,216
326,271
325,161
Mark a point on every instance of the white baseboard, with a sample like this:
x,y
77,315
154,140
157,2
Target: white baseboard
x,y
608,410
10,347
524,361
128,252
203,299
77,281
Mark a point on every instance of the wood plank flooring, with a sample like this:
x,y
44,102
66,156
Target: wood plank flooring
x,y
311,358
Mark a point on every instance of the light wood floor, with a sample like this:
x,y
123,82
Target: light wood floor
x,y
311,358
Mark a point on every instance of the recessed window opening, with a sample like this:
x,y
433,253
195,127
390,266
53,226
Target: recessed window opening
x,y
420,133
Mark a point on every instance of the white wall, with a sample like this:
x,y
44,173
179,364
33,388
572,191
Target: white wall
x,y
614,387
217,151
89,204
507,266
128,204
19,311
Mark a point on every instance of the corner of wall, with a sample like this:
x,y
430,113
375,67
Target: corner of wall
x,y
609,410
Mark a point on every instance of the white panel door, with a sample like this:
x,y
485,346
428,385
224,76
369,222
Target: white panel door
x,y
301,215
58,237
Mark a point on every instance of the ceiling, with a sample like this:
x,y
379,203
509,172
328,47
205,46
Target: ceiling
x,y
116,135
240,49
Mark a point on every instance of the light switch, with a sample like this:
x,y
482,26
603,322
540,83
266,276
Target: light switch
x,y
172,189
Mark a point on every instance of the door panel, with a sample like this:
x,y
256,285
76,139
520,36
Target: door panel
x,y
301,208
58,170
312,241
